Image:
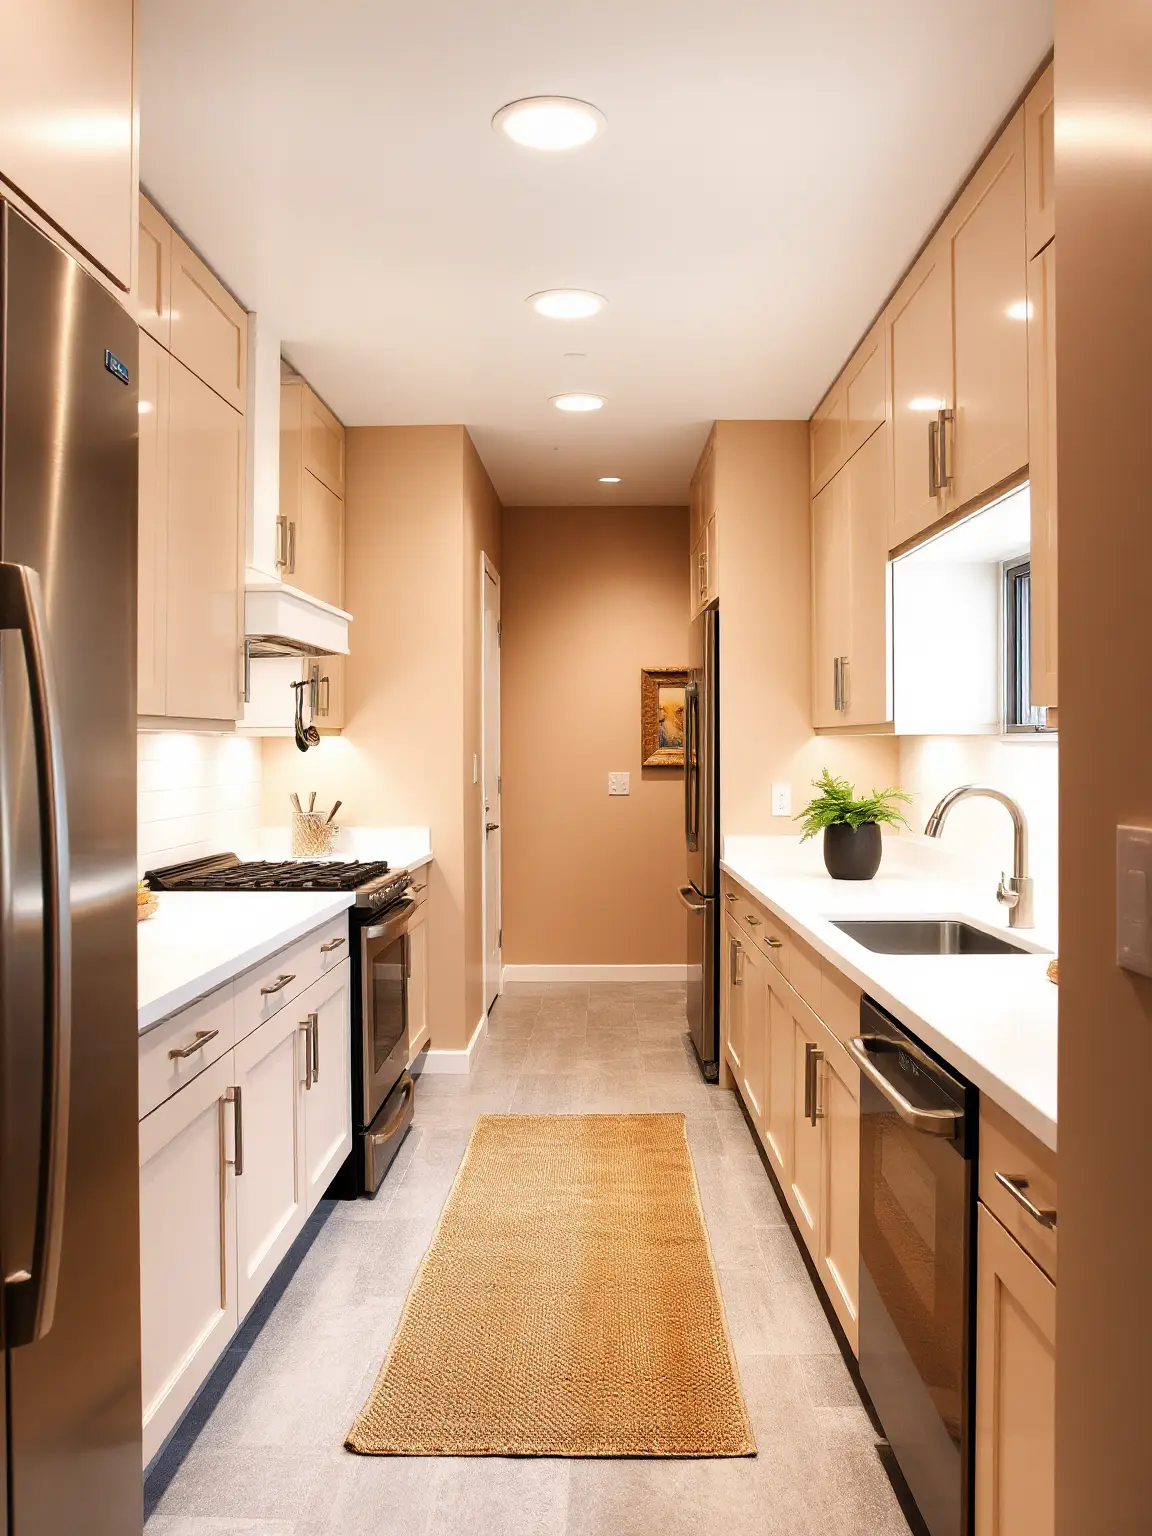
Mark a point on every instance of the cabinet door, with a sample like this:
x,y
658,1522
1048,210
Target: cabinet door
x,y
827,435
326,692
1042,470
808,1135
68,135
866,686
209,328
188,1308
839,1256
697,585
735,974
754,1063
830,618
152,512
327,1007
1015,1388
318,565
865,391
417,982
919,321
270,1182
778,1130
154,274
322,443
711,567
1040,162
205,551
989,283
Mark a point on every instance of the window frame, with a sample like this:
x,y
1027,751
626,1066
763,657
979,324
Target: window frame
x,y
1021,717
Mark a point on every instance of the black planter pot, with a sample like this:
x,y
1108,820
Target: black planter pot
x,y
852,853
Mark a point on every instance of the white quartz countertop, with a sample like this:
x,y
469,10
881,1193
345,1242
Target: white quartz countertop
x,y
198,940
993,1017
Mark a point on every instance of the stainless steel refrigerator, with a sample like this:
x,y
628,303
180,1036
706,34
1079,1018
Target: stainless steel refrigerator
x,y
69,1220
701,895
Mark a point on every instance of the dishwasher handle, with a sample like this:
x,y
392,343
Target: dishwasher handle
x,y
932,1122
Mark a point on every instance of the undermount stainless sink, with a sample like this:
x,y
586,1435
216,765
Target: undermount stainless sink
x,y
928,936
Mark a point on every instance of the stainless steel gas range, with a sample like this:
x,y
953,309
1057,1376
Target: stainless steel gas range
x,y
383,1091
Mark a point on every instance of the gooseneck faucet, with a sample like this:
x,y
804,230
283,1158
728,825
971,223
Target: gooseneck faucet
x,y
1014,893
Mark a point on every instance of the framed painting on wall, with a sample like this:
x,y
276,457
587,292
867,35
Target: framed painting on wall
x,y
662,691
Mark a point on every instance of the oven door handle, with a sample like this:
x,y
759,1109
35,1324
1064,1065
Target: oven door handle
x,y
932,1122
396,918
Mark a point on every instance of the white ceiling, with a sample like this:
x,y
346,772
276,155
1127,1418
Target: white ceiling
x,y
768,169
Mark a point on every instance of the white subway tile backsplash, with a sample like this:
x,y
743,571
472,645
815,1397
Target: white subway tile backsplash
x,y
196,795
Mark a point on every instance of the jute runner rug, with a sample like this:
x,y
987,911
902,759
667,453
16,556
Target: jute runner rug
x,y
568,1305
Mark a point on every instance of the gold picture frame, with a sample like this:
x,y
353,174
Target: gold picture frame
x,y
662,694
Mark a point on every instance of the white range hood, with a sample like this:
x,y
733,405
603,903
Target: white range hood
x,y
280,620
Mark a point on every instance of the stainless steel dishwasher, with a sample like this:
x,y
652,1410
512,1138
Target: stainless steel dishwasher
x,y
918,1130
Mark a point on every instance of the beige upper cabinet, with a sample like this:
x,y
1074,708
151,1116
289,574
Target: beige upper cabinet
x,y
1040,162
989,437
702,535
209,329
827,435
1015,1388
850,593
919,321
152,580
311,542
205,551
154,274
852,410
68,121
1042,471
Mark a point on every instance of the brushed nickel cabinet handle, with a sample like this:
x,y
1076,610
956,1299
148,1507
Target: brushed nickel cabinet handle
x,y
734,950
326,949
314,1028
1016,1184
934,457
202,1037
234,1097
277,986
731,896
281,541
291,567
753,922
773,943
306,1026
944,479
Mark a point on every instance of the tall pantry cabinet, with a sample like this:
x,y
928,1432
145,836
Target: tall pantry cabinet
x,y
193,378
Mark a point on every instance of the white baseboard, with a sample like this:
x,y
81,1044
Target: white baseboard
x,y
457,1061
617,973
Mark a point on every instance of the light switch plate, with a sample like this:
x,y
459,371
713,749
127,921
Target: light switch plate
x,y
781,799
1133,890
619,783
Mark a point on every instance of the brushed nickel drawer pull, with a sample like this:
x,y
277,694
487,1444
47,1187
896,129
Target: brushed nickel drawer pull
x,y
201,1039
277,986
1016,1184
753,922
326,949
731,896
773,943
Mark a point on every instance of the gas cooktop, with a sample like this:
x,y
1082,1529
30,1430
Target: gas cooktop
x,y
373,881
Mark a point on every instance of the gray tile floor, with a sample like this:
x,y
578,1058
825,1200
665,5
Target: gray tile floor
x,y
262,1453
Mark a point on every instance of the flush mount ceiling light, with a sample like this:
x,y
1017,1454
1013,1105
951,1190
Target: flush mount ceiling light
x,y
578,402
550,122
609,479
566,303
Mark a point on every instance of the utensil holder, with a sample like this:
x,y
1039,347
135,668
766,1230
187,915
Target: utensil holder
x,y
312,836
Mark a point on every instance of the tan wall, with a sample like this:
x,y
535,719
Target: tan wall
x,y
764,555
399,759
482,536
589,596
1104,393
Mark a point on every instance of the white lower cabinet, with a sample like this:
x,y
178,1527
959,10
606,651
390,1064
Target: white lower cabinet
x,y
231,1165
187,1247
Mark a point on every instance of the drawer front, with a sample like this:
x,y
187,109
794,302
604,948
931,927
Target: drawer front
x,y
804,971
205,1031
839,1002
1007,1148
770,936
271,985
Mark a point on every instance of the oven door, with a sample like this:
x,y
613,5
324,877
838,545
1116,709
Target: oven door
x,y
385,963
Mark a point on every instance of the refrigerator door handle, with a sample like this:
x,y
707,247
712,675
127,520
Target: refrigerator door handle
x,y
30,1295
686,893
691,767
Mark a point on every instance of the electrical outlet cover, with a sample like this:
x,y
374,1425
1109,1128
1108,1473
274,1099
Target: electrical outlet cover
x,y
781,799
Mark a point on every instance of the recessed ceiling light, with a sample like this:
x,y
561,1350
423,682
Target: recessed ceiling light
x,y
578,402
550,122
609,479
566,303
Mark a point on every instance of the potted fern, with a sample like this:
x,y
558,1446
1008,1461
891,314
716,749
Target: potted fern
x,y
851,827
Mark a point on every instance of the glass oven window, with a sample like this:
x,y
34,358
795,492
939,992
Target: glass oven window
x,y
388,968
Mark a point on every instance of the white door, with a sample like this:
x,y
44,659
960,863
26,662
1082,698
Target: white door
x,y
187,1246
270,1192
326,1007
493,932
